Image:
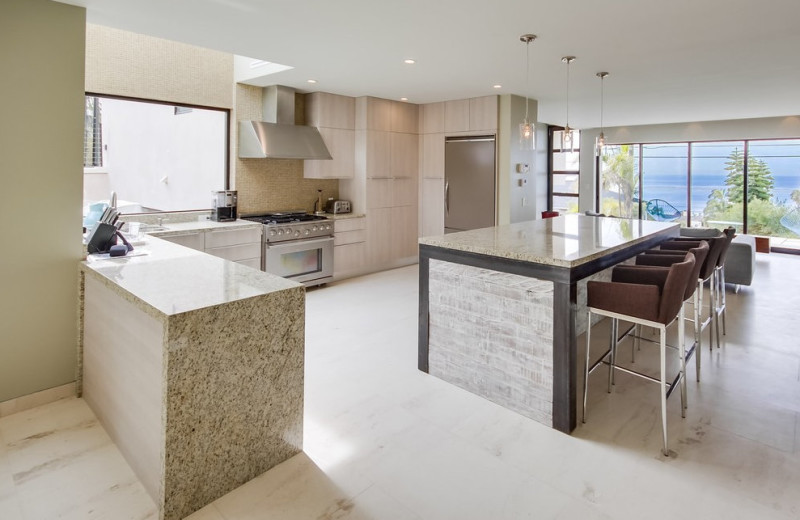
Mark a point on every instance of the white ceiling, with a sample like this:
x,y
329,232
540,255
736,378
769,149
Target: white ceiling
x,y
670,61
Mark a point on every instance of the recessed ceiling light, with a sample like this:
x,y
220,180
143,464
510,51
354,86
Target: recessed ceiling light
x,y
403,99
409,61
497,86
312,81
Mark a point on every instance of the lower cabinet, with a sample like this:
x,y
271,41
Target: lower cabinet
x,y
349,247
238,245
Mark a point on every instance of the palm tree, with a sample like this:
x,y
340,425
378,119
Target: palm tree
x,y
619,175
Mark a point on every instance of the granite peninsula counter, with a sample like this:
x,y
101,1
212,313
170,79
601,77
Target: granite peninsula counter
x,y
194,366
499,307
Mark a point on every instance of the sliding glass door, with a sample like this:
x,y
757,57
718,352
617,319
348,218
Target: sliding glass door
x,y
717,173
664,181
773,191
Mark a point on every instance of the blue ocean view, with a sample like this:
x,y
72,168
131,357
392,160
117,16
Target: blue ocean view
x,y
666,187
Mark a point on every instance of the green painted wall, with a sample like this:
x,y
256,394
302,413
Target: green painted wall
x,y
41,136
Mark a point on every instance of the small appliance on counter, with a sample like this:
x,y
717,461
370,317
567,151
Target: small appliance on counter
x,y
336,207
224,206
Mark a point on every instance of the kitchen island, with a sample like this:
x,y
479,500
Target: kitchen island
x,y
500,308
194,366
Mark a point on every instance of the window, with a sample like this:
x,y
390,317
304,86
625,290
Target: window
x,y
752,185
92,134
154,156
564,172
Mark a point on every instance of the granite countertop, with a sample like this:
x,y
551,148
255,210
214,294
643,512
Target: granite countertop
x,y
171,279
566,241
202,225
342,216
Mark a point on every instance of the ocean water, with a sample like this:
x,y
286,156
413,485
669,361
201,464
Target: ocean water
x,y
672,189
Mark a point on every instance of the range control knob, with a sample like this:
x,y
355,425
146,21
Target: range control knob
x,y
272,233
297,233
307,232
327,226
288,231
279,232
313,228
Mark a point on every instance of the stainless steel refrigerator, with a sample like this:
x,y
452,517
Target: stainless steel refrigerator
x,y
469,183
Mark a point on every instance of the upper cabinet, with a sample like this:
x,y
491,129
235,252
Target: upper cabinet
x,y
405,118
456,115
483,113
330,111
335,116
461,115
374,114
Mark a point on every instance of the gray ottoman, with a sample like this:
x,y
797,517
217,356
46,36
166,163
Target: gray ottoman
x,y
741,260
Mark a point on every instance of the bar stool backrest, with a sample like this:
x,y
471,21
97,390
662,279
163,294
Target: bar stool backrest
x,y
727,235
680,275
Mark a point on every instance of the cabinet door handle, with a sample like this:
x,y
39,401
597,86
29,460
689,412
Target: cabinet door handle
x,y
446,197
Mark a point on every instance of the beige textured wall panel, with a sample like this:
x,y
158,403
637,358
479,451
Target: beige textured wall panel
x,y
123,63
272,184
42,61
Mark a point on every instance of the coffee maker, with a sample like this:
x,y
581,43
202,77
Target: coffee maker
x,y
224,206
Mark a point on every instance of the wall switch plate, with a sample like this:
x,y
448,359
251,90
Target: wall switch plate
x,y
523,168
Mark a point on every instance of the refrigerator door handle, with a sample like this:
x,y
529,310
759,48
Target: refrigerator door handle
x,y
446,197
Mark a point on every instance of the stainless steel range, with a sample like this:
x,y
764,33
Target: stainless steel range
x,y
297,246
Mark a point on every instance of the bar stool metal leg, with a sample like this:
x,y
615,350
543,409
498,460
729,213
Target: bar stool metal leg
x,y
611,378
663,385
586,372
682,352
698,332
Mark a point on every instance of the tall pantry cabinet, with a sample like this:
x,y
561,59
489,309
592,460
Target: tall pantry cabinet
x,y
385,184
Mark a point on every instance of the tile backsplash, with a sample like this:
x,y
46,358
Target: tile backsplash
x,y
271,184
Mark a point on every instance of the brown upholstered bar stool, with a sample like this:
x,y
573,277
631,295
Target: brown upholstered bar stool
x,y
643,295
691,296
720,303
707,274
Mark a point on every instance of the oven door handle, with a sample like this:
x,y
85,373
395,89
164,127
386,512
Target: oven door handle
x,y
306,243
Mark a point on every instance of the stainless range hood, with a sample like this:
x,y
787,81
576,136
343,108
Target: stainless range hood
x,y
277,137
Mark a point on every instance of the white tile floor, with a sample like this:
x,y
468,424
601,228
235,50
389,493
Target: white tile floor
x,y
384,441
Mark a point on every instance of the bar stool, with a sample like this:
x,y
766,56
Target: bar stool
x,y
707,274
720,304
549,214
650,296
692,296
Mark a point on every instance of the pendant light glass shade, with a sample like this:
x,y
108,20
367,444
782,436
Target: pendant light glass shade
x,y
567,139
600,141
527,130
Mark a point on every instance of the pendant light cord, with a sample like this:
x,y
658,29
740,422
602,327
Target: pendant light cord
x,y
568,63
527,75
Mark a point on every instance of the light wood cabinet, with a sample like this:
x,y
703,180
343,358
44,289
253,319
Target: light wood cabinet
x,y
342,146
404,192
456,116
432,153
431,118
405,117
378,154
191,239
404,155
379,237
379,193
374,114
330,111
334,116
349,251
404,233
432,207
483,113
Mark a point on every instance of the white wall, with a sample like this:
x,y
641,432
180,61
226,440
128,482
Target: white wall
x,y
146,142
519,203
760,128
41,141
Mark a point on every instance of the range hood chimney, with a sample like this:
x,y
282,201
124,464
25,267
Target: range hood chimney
x,y
277,137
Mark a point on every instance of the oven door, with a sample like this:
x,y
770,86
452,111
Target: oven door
x,y
305,261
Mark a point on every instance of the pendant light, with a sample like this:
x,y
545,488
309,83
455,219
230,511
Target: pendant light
x,y
567,141
527,131
600,142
